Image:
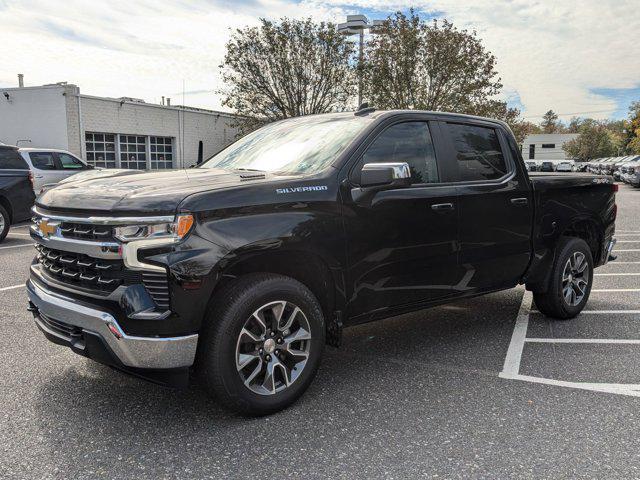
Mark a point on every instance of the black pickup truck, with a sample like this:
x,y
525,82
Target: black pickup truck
x,y
242,269
16,189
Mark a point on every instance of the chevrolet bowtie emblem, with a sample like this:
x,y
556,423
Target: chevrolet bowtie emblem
x,y
47,228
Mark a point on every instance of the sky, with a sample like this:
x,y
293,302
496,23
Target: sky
x,y
577,57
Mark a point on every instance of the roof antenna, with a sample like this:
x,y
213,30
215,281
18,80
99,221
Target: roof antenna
x,y
364,109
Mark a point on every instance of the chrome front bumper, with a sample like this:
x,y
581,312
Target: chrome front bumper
x,y
134,352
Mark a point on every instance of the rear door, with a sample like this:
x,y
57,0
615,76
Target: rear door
x,y
495,206
45,169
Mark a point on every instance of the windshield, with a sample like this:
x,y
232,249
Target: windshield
x,y
301,145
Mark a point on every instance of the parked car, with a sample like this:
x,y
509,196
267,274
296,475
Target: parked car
x,y
564,167
546,167
531,166
630,171
50,166
243,268
16,189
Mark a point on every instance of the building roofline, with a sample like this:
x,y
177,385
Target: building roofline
x,y
181,108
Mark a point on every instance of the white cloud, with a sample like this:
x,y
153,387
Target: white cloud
x,y
550,53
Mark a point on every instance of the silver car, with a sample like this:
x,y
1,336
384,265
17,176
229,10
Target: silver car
x,y
49,165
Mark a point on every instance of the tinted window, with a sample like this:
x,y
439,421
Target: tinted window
x,y
11,159
478,152
408,142
42,160
69,163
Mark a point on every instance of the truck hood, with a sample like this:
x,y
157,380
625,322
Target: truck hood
x,y
152,193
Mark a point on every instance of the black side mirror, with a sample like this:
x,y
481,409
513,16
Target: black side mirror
x,y
396,174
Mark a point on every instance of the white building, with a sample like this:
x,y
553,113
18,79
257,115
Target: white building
x,y
546,146
112,132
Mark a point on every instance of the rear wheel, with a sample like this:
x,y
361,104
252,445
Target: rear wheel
x,y
570,282
262,343
5,223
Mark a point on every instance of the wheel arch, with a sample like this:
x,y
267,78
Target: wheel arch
x,y
309,268
7,206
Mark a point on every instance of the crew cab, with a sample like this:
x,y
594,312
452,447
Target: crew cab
x,y
16,189
243,268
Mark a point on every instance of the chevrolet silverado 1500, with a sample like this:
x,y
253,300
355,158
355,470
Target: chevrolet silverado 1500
x,y
242,269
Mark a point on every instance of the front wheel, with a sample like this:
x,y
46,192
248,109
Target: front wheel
x,y
570,283
261,343
5,223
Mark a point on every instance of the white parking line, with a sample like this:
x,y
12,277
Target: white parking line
x,y
511,368
622,274
21,234
627,250
616,262
582,340
607,312
11,287
628,241
17,246
514,354
604,290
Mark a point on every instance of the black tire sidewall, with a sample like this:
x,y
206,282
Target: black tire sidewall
x,y
7,223
231,323
572,246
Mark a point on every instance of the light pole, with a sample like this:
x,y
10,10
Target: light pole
x,y
356,25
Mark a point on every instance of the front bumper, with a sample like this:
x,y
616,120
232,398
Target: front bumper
x,y
66,321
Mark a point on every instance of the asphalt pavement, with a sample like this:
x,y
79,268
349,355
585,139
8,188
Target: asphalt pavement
x,y
422,395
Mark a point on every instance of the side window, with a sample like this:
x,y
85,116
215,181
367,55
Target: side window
x,y
408,142
42,160
10,159
478,152
69,162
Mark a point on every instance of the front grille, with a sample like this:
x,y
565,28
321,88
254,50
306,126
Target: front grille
x,y
158,287
84,231
83,271
69,331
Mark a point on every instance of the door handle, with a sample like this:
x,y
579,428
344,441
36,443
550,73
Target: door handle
x,y
439,207
519,201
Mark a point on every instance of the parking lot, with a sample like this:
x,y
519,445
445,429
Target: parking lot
x,y
481,388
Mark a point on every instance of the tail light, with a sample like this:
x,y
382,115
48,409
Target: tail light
x,y
614,187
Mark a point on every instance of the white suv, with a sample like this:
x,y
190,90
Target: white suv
x,y
49,165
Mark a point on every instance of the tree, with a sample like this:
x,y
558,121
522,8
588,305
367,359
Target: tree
x,y
631,138
286,69
550,122
412,64
594,141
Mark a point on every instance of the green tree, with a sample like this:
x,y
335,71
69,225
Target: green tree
x,y
550,122
412,64
286,69
631,136
595,140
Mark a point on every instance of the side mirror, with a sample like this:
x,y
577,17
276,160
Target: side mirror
x,y
396,174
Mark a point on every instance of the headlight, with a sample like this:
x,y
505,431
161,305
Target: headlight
x,y
176,230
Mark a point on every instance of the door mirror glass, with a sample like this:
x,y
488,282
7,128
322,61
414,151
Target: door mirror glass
x,y
392,174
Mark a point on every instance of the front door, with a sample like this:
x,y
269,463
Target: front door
x,y
402,242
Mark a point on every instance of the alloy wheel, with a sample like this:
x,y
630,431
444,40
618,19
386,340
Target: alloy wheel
x,y
575,279
273,347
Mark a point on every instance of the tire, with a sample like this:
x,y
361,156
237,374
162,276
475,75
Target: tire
x,y
231,334
5,223
553,303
